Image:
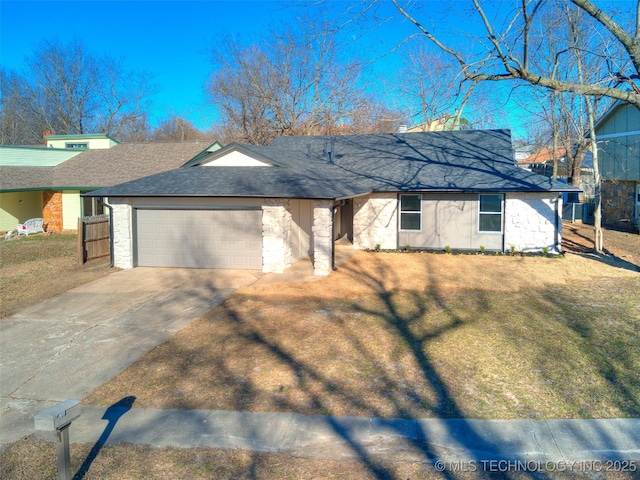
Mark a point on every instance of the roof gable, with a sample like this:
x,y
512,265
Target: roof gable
x,y
235,158
235,155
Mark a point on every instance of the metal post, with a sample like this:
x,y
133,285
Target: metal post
x,y
57,420
64,457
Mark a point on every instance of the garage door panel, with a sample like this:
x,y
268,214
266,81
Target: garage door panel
x,y
199,238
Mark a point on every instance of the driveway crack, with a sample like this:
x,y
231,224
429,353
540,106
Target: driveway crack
x,y
63,349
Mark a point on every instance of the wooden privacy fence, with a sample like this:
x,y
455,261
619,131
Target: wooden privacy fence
x,y
93,238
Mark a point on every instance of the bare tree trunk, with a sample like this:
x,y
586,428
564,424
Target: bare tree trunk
x,y
597,214
554,126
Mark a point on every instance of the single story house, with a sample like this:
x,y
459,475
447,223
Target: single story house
x,y
618,137
47,182
263,208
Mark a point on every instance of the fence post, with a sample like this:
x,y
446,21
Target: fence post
x,y
80,241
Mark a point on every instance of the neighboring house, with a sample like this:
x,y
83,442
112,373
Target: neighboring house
x,y
81,142
618,137
266,207
541,162
440,124
35,184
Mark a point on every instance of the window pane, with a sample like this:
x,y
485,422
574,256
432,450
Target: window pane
x,y
490,222
410,203
410,221
490,203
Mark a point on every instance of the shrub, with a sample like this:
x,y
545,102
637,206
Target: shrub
x,y
447,249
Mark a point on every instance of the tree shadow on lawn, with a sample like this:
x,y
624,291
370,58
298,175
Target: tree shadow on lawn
x,y
404,322
584,247
600,325
403,315
401,312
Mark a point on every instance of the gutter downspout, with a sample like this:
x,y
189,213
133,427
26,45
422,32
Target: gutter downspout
x,y
334,209
504,222
558,238
101,202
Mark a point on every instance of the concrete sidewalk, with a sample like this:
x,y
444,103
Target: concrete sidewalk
x,y
423,440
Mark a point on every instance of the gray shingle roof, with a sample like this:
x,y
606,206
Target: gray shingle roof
x,y
25,178
122,163
471,160
98,168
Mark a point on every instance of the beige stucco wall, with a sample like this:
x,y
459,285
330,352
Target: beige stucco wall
x,y
18,207
530,221
375,221
450,220
70,209
93,143
235,159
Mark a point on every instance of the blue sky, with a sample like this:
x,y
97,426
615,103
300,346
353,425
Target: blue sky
x,y
170,39
166,38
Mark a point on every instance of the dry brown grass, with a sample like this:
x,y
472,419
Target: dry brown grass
x,y
34,459
38,267
412,335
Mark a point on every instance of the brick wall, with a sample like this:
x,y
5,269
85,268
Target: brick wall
x,y
52,211
618,203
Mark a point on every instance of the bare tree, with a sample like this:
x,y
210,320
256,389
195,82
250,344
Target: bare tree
x,y
506,54
64,81
369,116
177,129
432,90
69,90
290,85
18,126
124,98
511,54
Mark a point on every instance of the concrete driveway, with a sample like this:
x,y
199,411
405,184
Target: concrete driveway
x,y
68,345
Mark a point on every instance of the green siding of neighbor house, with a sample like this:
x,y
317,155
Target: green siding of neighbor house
x,y
619,144
34,157
19,207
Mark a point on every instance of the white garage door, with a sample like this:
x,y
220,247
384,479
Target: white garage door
x,y
199,238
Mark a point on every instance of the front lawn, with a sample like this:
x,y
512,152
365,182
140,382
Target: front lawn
x,y
412,335
38,267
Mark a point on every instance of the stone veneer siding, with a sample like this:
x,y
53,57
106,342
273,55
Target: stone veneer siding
x,y
322,233
122,233
276,235
52,211
618,198
530,222
375,221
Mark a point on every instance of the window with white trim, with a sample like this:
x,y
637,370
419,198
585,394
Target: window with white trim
x,y
410,212
79,146
490,213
